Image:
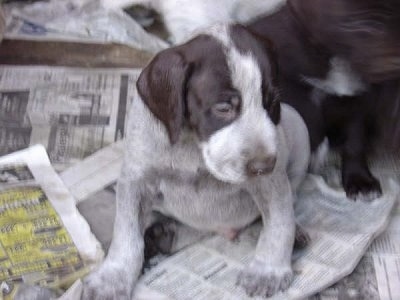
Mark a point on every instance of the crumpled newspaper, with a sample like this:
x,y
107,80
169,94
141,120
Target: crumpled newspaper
x,y
78,20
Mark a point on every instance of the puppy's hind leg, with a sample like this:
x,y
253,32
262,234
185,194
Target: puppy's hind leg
x,y
167,236
159,236
115,278
301,238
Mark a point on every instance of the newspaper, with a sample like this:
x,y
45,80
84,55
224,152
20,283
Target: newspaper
x,y
44,240
73,112
77,20
377,276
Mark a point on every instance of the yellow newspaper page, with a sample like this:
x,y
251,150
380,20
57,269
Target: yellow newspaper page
x,y
36,246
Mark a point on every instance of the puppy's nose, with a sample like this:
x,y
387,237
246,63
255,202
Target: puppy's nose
x,y
258,167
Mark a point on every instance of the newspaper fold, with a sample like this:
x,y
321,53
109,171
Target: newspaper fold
x,y
94,173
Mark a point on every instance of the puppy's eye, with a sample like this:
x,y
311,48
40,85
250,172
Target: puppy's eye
x,y
222,108
227,109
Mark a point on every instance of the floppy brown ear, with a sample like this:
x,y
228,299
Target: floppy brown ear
x,y
162,88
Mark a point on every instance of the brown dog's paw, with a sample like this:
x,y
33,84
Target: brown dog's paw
x,y
362,186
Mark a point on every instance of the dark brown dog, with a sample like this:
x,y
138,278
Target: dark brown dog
x,y
335,59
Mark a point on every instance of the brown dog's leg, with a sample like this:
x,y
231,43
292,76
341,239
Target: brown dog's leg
x,y
358,181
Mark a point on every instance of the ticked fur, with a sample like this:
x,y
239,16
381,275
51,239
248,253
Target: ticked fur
x,y
190,181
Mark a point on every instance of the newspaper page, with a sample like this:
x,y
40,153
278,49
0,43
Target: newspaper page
x,y
73,112
77,20
377,275
44,240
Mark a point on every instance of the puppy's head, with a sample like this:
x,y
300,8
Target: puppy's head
x,y
223,85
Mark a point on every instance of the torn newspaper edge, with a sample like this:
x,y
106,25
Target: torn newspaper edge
x,y
44,239
340,231
72,111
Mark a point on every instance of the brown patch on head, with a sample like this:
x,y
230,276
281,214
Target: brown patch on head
x,y
190,84
263,51
212,101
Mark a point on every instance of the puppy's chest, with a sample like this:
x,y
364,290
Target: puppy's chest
x,y
198,199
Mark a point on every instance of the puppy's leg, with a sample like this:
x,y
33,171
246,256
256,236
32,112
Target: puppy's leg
x,y
168,236
270,270
358,182
158,237
302,238
117,275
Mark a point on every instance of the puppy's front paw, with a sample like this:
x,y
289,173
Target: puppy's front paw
x,y
260,279
107,283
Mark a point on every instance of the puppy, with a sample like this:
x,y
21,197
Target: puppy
x,y
184,17
335,58
210,145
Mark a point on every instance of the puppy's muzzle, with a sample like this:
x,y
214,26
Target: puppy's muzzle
x,y
258,166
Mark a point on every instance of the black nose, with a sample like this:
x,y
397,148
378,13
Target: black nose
x,y
258,167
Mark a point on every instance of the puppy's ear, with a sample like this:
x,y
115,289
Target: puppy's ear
x,y
162,88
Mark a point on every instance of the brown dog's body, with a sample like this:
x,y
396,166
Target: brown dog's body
x,y
335,59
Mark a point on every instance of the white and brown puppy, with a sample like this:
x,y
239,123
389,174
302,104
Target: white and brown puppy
x,y
209,144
